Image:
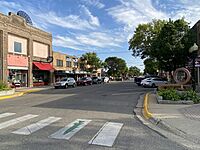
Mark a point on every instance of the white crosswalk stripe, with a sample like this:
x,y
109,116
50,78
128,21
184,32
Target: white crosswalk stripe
x,y
71,129
107,134
36,126
3,115
16,120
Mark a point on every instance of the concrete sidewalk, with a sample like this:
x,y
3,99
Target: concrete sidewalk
x,y
182,120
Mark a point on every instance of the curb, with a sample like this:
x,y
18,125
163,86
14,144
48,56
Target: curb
x,y
12,96
146,112
17,94
162,128
158,122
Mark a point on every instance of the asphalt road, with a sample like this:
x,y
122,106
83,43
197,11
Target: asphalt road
x,y
99,103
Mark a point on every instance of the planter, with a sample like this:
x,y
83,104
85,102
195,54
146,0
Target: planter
x,y
7,92
161,101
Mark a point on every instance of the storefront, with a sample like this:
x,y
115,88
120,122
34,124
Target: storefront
x,y
41,73
17,70
18,76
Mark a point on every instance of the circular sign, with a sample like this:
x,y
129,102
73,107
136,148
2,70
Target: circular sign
x,y
182,76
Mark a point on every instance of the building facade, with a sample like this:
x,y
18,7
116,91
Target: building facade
x,y
25,52
67,66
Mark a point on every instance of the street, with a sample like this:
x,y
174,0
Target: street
x,y
48,114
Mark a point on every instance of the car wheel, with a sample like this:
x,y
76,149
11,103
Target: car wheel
x,y
153,85
56,87
66,86
74,85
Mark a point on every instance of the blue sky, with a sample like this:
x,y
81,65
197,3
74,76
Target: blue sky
x,y
102,26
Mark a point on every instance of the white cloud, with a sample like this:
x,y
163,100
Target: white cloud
x,y
90,41
9,4
95,3
132,12
70,21
93,20
187,9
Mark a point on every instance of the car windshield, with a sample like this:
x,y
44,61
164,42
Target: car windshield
x,y
83,78
64,79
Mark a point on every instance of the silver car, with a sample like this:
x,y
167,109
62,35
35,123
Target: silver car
x,y
65,83
153,82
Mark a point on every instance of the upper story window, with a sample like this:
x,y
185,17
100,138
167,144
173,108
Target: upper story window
x,y
68,64
17,47
76,64
59,63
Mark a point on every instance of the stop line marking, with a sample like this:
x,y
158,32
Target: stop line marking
x,y
107,134
36,126
71,129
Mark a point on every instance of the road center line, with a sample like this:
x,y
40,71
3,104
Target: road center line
x,y
71,129
16,120
107,134
3,115
36,126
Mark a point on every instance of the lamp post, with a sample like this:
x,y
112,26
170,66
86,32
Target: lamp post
x,y
193,50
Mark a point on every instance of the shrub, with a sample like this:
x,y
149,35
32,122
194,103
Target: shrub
x,y
4,86
192,95
169,94
172,94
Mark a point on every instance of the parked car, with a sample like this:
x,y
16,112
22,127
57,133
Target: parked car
x,y
84,81
153,82
65,82
16,83
139,79
105,79
96,80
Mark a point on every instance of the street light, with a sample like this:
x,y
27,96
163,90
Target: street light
x,y
193,50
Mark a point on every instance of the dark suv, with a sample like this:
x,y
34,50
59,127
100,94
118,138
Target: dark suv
x,y
84,81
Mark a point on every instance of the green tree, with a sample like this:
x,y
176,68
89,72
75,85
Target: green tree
x,y
165,43
116,66
134,71
92,60
168,48
144,35
151,66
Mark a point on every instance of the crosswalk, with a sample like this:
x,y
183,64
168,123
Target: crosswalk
x,y
106,135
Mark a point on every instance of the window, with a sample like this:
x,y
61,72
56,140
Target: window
x,y
76,64
68,64
59,63
17,47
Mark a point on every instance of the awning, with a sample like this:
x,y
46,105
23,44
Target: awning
x,y
43,66
17,68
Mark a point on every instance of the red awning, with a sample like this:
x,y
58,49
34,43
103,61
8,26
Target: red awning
x,y
43,66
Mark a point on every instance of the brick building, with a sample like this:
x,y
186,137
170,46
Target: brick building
x,y
67,66
25,52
